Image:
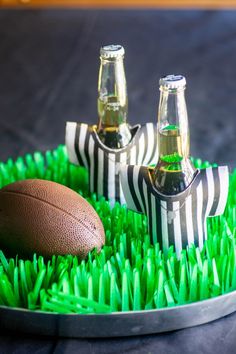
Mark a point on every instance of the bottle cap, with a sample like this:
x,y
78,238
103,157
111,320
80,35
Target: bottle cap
x,y
173,81
112,51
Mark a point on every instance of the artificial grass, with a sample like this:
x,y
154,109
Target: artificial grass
x,y
129,273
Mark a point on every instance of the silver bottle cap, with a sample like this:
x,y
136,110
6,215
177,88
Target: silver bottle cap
x,y
173,81
112,51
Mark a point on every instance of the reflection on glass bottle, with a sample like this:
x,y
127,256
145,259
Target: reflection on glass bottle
x,y
113,129
174,171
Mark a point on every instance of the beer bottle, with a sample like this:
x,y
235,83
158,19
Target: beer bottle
x,y
113,129
174,170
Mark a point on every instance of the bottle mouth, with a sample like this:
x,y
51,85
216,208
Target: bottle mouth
x,y
112,60
171,89
172,83
112,51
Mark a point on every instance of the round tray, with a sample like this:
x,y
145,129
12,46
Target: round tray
x,y
117,324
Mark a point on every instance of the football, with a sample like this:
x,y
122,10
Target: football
x,y
47,218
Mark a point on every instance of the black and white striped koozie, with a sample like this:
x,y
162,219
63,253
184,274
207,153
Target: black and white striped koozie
x,y
86,149
180,219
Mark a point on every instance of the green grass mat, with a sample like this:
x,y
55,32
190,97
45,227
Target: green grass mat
x,y
129,273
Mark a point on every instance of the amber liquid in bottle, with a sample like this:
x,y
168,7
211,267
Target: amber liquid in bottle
x,y
173,173
113,130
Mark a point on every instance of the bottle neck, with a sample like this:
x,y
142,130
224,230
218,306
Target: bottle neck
x,y
113,129
173,126
174,171
112,93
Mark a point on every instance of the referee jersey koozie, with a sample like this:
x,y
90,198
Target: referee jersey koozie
x,y
86,149
180,219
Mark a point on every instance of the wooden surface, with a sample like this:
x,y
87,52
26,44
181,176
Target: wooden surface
x,y
121,3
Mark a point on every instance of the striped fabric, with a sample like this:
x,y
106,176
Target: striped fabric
x,y
178,220
86,149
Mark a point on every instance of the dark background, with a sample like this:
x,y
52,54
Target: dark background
x,y
49,62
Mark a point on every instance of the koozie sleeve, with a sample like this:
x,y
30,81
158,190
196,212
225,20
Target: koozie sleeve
x,y
131,180
76,137
149,144
217,189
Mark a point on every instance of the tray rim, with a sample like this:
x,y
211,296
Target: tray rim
x,y
119,313
117,324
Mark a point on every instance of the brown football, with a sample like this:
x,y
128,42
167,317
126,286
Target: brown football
x,y
47,218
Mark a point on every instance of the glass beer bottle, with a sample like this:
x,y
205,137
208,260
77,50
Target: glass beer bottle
x,y
174,170
112,128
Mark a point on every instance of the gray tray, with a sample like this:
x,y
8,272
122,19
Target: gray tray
x,y
118,323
